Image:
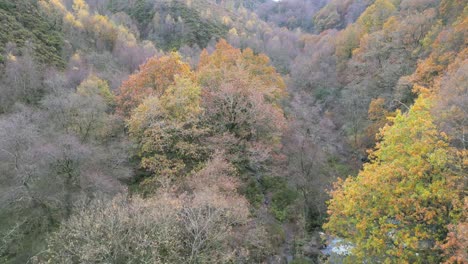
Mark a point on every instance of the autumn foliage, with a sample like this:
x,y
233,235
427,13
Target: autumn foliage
x,y
235,150
178,116
153,78
398,208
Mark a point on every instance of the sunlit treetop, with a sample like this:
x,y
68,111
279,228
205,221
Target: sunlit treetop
x,y
214,67
153,78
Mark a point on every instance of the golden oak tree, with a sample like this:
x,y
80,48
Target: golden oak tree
x,y
398,207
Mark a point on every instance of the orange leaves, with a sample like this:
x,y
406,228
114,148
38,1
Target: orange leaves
x,y
214,68
224,56
153,78
456,243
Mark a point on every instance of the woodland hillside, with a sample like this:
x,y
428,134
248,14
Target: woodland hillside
x,y
233,131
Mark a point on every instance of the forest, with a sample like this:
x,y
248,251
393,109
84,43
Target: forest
x,y
233,131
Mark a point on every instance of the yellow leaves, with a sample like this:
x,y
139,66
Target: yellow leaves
x,y
419,89
408,181
70,19
250,24
375,15
376,109
93,86
100,25
224,56
165,123
80,5
226,20
379,116
346,41
11,57
462,156
214,68
181,101
76,58
240,97
143,116
233,32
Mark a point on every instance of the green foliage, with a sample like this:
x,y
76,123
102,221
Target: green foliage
x,y
276,233
253,193
142,12
322,93
199,30
282,197
340,168
22,21
280,203
173,24
22,236
327,19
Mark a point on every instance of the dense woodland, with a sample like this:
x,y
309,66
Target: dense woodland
x,y
233,131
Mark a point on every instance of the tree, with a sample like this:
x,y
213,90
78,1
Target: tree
x,y
315,70
451,109
212,212
457,240
207,222
291,14
118,231
22,80
310,144
241,98
379,116
44,171
375,68
94,86
375,15
153,78
86,113
445,44
225,57
398,207
346,41
339,13
169,132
